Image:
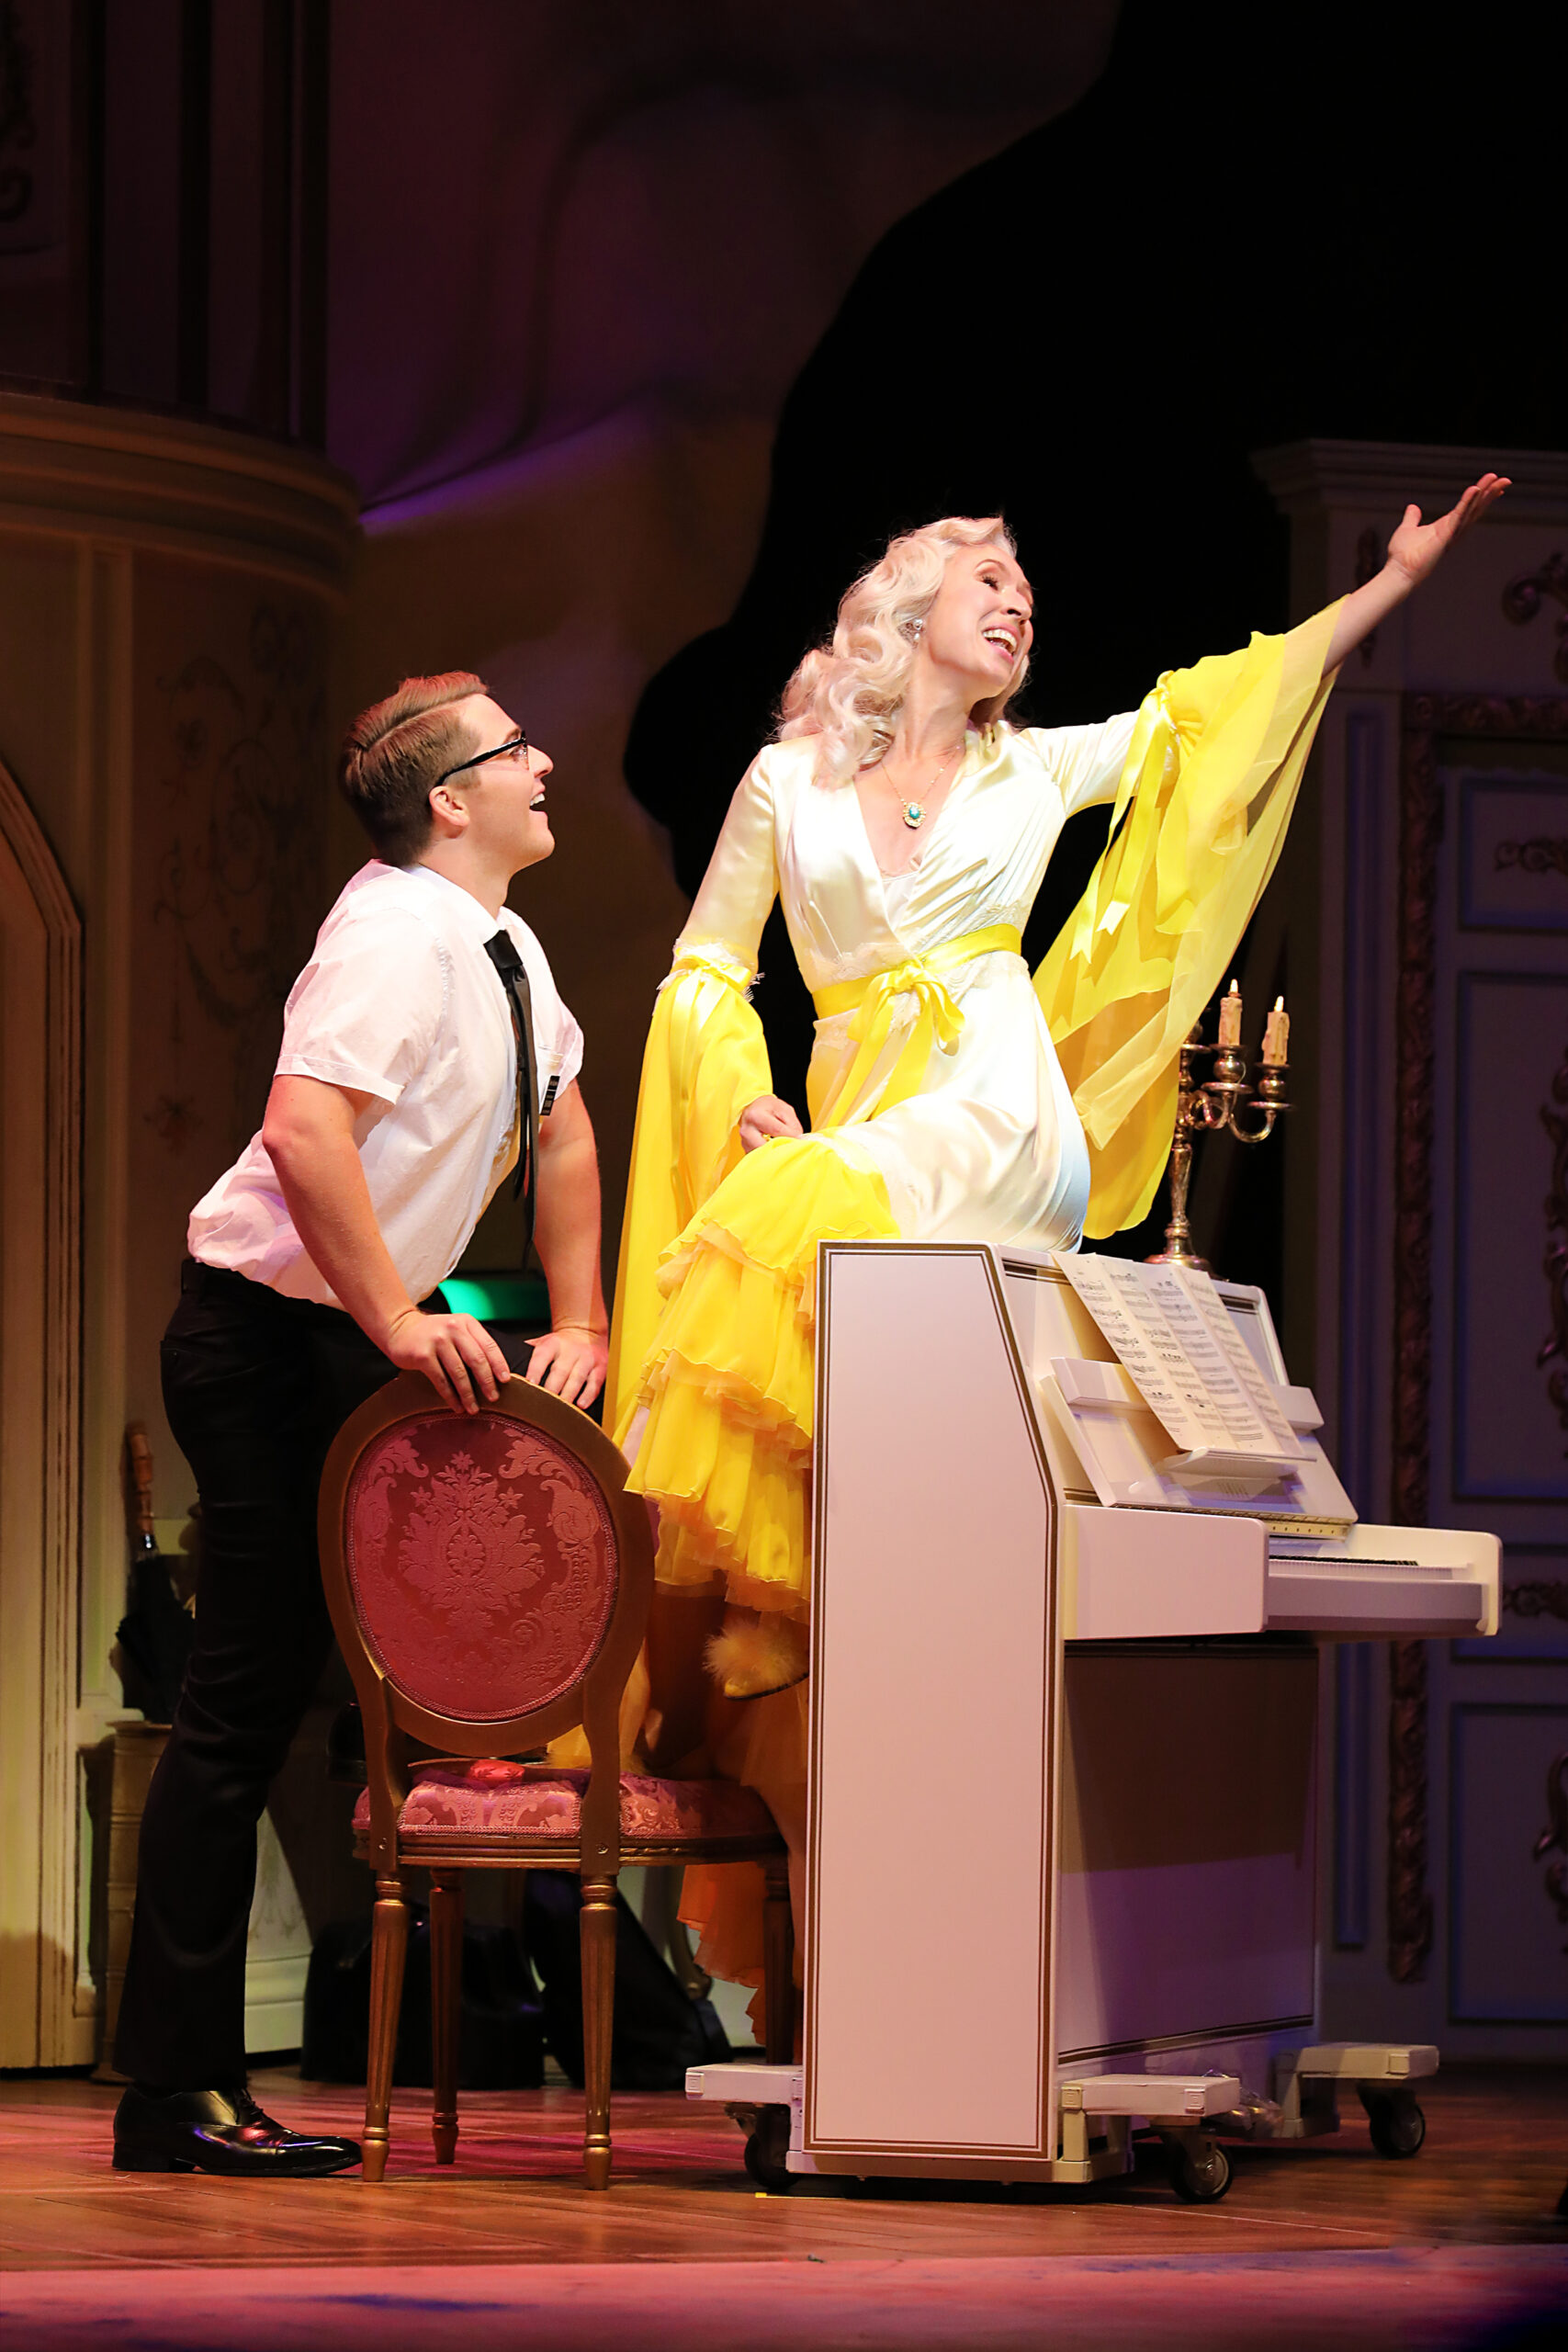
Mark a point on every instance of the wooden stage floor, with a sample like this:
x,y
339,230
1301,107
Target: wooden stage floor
x,y
1320,2243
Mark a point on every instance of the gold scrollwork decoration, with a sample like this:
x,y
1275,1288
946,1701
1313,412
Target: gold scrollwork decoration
x,y
1539,855
1522,601
1426,718
1554,1836
1537,1597
239,874
1553,1350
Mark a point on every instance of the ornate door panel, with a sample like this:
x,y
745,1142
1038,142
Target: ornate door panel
x,y
1481,1391
1425,889
40,1352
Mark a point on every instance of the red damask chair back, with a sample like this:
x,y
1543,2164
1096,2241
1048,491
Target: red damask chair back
x,y
489,1580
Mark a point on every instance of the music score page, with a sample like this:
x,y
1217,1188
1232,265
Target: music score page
x,y
1173,1336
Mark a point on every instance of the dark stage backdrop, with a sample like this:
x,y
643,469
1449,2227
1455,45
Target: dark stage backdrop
x,y
1259,224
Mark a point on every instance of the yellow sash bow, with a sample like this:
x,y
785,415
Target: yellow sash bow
x,y
937,1020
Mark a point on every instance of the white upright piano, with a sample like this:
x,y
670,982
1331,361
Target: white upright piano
x,y
1063,1868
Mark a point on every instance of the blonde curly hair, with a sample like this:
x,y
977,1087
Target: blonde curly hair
x,y
849,692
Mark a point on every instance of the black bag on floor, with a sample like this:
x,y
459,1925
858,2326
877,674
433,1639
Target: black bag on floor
x,y
659,2030
501,2036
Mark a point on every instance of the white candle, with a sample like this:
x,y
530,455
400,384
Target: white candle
x,y
1276,1035
1230,1016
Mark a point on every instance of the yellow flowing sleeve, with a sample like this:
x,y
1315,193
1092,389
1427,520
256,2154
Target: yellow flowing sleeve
x,y
705,1059
1206,793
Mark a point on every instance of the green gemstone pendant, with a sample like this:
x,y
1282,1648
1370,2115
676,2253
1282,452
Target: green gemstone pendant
x,y
914,815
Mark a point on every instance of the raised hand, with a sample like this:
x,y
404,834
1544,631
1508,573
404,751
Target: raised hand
x,y
1413,551
1416,545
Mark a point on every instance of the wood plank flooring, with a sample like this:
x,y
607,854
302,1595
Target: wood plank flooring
x,y
1494,2163
1443,2300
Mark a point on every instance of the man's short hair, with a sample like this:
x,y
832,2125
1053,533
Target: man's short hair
x,y
393,754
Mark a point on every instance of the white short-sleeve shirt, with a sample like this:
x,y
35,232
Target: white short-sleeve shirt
x,y
400,1000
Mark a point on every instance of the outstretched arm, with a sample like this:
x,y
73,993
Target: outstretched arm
x,y
1414,550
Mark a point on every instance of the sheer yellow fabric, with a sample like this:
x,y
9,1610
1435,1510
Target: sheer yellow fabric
x,y
704,1061
1205,796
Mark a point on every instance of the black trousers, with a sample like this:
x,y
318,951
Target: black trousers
x,y
256,1387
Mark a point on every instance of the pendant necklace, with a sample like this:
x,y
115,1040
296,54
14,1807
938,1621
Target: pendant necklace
x,y
914,812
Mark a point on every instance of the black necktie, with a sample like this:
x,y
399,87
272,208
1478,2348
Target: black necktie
x,y
503,953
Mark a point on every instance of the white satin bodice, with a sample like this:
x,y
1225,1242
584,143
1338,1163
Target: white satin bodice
x,y
786,835
991,1148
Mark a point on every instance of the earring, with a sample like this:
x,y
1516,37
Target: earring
x,y
917,631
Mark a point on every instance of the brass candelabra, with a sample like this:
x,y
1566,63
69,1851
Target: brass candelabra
x,y
1220,1103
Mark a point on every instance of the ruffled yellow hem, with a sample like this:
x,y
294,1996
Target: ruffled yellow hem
x,y
729,1383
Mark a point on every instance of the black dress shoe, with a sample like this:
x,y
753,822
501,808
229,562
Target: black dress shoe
x,y
219,2131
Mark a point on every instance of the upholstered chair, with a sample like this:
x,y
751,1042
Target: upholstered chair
x,y
489,1578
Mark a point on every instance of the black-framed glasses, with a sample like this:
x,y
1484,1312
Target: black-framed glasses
x,y
518,742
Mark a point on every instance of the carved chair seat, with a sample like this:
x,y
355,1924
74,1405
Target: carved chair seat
x,y
469,1811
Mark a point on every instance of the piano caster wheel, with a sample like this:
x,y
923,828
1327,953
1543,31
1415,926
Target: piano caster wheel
x,y
767,2147
1397,2125
1200,2169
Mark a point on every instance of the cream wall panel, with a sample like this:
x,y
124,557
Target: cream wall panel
x,y
103,795
39,585
40,1393
23,951
170,597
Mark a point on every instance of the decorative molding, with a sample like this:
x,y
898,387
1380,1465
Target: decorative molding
x,y
1521,602
1554,1836
1309,476
1426,720
243,756
1409,1900
41,1348
169,486
1369,564
1536,1596
1555,1265
1420,826
1541,854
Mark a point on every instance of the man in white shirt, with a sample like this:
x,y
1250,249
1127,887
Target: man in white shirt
x,y
399,1104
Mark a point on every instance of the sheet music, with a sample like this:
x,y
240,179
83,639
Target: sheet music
x,y
1173,1336
1254,1381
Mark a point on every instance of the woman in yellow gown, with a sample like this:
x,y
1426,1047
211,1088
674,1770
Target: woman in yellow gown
x,y
907,825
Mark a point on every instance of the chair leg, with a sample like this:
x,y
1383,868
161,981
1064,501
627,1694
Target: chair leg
x,y
389,1946
778,1964
598,1934
445,2006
